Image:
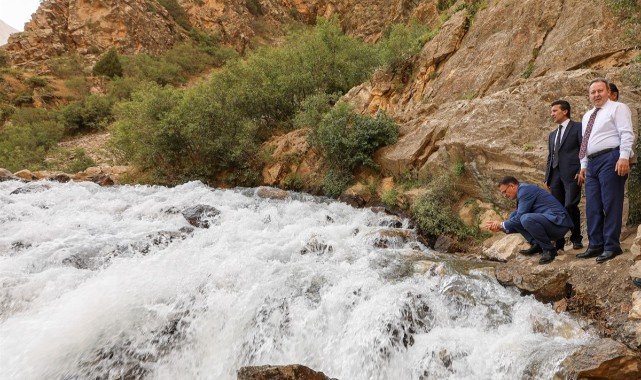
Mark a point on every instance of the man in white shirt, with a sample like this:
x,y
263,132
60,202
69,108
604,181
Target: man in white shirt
x,y
605,152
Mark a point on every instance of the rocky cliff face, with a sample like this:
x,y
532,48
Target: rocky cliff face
x,y
89,27
479,92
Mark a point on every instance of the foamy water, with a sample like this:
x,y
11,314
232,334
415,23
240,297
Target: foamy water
x,y
111,282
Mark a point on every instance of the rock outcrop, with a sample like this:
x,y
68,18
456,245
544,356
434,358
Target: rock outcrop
x,y
479,92
288,372
90,27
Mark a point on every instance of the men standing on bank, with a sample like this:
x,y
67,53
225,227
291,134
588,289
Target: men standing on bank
x,y
563,167
605,151
539,217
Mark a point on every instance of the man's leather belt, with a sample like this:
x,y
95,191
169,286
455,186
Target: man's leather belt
x,y
604,151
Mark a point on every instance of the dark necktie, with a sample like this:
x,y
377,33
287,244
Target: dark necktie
x,y
586,136
557,146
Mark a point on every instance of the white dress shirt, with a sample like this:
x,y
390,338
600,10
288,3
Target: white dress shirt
x,y
612,128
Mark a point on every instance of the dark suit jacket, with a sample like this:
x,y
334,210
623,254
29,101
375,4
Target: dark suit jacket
x,y
533,199
569,164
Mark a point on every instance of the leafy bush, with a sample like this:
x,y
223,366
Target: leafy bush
x,y
78,85
313,108
212,130
400,42
189,58
36,81
144,67
434,214
293,181
25,141
67,66
210,44
347,140
109,65
180,136
93,113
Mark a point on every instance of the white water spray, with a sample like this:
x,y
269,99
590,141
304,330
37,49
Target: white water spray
x,y
113,282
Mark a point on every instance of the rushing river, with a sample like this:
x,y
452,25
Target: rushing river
x,y
113,282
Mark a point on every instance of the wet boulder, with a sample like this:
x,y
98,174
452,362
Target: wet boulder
x,y
200,215
287,372
316,245
545,283
271,193
603,359
6,175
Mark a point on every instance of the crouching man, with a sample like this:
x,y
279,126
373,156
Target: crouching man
x,y
539,217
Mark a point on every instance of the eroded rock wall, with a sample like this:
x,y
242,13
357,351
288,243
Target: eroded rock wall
x,y
479,92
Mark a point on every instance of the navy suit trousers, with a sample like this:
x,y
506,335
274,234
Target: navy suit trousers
x,y
536,228
604,190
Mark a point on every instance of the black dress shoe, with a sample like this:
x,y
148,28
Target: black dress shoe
x,y
560,244
577,245
636,281
547,257
535,248
607,255
590,252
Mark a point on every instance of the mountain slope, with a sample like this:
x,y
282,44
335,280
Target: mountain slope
x,y
5,31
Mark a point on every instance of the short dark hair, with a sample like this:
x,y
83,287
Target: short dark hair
x,y
614,88
602,80
508,180
565,105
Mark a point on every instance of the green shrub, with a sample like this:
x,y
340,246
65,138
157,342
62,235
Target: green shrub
x,y
390,197
78,85
443,5
122,88
335,182
36,81
144,67
210,44
67,66
69,161
180,136
212,130
293,181
93,113
313,108
347,140
25,141
189,58
433,212
108,65
401,42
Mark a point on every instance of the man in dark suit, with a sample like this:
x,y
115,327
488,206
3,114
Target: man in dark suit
x,y
539,217
563,167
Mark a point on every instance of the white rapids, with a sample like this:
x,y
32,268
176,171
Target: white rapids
x,y
114,283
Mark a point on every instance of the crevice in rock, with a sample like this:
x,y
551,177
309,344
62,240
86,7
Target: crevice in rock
x,y
592,60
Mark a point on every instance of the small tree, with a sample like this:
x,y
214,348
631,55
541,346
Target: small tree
x,y
109,65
